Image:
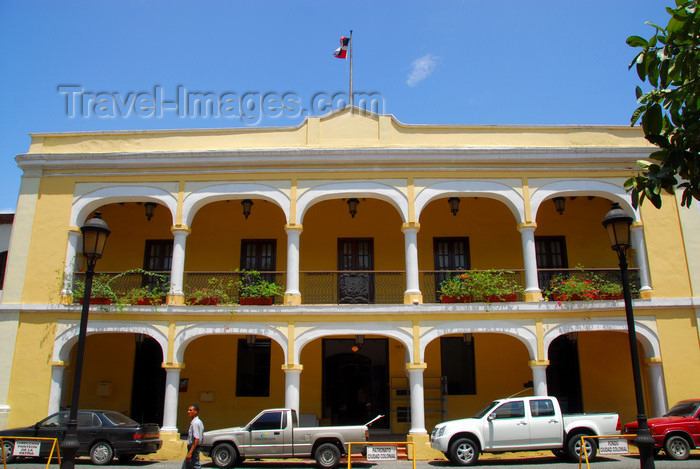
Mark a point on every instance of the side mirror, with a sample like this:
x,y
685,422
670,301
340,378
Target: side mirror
x,y
491,417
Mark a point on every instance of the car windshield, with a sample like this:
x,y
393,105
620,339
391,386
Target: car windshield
x,y
119,419
486,410
683,409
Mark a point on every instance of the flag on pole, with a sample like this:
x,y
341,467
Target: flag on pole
x,y
342,51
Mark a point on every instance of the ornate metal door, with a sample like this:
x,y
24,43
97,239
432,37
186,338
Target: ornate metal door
x,y
355,255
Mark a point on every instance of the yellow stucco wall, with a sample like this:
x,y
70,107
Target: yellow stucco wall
x,y
665,249
31,370
680,351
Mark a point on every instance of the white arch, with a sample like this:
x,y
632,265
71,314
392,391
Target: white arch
x,y
330,330
87,203
232,191
583,188
646,336
524,335
64,341
340,190
186,336
462,188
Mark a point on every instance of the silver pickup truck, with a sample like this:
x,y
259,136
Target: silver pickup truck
x,y
522,424
275,434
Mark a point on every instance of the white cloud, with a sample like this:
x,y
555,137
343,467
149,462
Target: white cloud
x,y
421,69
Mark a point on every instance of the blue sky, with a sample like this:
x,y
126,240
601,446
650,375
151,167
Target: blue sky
x,y
443,62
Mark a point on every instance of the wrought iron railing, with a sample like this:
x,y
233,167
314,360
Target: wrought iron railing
x,y
341,287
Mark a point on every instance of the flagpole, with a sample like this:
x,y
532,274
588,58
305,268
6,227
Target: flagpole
x,y
352,100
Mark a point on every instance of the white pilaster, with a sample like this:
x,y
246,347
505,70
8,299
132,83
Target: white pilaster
x,y
172,389
527,236
292,378
57,372
539,378
177,271
69,269
415,379
293,235
657,398
640,257
411,252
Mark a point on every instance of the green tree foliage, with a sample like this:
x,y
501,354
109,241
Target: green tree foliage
x,y
670,111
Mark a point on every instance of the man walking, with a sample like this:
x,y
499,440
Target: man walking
x,y
194,439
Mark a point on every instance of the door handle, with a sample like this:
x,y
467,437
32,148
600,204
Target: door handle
x,y
277,433
553,421
521,423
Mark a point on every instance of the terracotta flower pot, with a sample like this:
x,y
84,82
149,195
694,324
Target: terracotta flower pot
x,y
456,299
510,297
203,301
611,296
255,301
96,300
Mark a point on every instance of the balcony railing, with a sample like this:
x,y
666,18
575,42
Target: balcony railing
x,y
345,287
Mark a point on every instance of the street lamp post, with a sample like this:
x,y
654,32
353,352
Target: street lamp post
x,y
617,222
95,232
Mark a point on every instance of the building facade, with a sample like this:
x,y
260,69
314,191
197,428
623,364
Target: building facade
x,y
355,215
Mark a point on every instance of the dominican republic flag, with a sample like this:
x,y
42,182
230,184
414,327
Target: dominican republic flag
x,y
342,51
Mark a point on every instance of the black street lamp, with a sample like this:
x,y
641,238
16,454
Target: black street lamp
x,y
95,232
617,222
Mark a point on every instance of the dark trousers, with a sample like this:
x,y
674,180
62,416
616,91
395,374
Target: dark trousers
x,y
193,463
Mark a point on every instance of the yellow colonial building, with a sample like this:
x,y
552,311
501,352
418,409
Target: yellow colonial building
x,y
360,218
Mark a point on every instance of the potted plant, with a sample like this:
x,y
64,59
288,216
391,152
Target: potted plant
x,y
575,286
456,289
492,286
101,294
146,295
254,290
609,290
214,293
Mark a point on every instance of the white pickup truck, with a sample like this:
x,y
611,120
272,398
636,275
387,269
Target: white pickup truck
x,y
521,424
275,434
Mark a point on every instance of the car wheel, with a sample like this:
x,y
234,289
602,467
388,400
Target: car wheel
x,y
464,452
327,456
101,453
573,448
224,455
126,458
9,445
677,448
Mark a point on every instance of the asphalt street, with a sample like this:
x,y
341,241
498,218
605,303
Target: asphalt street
x,y
545,462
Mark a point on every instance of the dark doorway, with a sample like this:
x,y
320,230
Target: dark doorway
x,y
355,384
563,375
450,255
148,389
355,255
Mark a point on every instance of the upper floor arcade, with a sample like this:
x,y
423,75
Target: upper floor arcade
x,y
348,208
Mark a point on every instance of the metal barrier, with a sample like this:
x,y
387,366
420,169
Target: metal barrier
x,y
15,439
379,443
584,454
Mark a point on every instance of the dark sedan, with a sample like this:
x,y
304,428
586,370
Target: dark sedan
x,y
103,434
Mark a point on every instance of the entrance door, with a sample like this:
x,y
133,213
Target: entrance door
x,y
148,389
450,254
563,375
355,255
355,384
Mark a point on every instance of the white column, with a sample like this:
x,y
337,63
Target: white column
x,y
69,269
177,270
640,257
527,236
293,235
292,378
539,377
657,395
57,372
410,234
415,380
172,390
